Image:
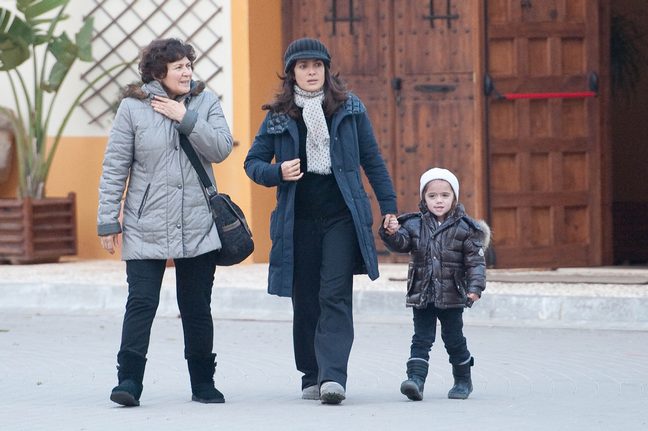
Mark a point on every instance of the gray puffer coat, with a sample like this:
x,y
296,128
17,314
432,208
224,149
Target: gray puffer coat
x,y
165,211
446,261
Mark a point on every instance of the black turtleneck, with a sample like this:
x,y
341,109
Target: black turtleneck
x,y
317,196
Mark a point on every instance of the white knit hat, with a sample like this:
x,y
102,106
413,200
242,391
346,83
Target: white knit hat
x,y
440,174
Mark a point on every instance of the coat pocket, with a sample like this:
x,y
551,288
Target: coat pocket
x,y
273,224
363,206
143,203
461,289
411,279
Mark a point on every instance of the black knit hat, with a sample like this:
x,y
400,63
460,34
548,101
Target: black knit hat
x,y
305,49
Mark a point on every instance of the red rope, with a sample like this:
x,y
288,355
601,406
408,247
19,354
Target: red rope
x,y
573,95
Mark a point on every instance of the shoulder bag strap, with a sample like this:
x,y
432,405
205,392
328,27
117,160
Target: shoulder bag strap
x,y
195,162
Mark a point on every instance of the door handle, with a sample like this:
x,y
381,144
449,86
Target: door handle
x,y
433,88
397,86
410,149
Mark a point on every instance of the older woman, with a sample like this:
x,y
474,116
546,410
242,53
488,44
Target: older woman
x,y
311,146
165,212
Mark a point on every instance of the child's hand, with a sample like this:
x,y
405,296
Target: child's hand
x,y
472,298
391,224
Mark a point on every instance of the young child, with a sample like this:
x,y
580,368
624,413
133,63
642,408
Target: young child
x,y
447,272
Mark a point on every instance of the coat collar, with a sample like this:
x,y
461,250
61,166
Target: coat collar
x,y
277,122
457,213
154,88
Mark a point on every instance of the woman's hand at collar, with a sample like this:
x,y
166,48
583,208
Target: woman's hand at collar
x,y
169,108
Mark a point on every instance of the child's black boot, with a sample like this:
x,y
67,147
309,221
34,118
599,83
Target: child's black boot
x,y
201,372
462,381
417,370
130,373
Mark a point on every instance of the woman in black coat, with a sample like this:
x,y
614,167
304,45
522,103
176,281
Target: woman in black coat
x,y
311,145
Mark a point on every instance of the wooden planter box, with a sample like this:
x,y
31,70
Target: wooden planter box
x,y
37,230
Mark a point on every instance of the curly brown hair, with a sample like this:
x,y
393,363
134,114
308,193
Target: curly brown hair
x,y
155,57
335,94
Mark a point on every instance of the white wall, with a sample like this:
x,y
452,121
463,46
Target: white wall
x,y
79,123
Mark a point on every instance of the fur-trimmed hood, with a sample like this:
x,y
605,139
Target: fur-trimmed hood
x,y
154,88
486,230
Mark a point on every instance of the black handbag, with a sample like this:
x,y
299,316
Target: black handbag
x,y
233,230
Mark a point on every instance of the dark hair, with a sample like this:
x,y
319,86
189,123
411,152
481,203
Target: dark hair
x,y
155,57
335,94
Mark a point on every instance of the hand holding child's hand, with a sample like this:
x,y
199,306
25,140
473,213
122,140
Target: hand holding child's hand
x,y
391,224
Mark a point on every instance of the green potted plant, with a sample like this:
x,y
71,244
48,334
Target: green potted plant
x,y
29,42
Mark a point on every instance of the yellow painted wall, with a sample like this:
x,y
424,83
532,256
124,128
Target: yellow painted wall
x,y
257,59
77,168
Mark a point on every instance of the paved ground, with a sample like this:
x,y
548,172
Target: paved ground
x,y
56,372
548,356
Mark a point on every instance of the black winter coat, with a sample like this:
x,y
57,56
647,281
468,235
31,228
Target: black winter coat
x,y
446,261
353,146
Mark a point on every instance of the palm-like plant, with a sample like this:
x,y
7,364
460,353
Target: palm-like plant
x,y
30,34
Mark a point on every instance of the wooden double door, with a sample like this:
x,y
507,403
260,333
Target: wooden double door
x,y
546,172
414,70
527,166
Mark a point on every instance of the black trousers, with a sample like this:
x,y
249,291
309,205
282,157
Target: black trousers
x,y
326,252
425,322
194,281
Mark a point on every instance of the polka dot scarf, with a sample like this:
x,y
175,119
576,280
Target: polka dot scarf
x,y
318,150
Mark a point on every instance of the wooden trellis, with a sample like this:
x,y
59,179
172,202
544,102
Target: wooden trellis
x,y
123,27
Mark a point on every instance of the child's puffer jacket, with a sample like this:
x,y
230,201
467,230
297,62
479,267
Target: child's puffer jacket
x,y
447,261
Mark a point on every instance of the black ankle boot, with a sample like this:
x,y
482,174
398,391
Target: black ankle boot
x,y
417,370
130,373
201,372
462,381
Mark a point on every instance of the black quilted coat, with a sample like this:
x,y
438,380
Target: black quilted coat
x,y
353,146
446,261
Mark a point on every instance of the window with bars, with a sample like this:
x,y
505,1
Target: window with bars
x,y
123,27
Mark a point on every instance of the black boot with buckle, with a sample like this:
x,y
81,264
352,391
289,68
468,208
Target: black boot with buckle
x,y
417,370
130,373
201,372
462,380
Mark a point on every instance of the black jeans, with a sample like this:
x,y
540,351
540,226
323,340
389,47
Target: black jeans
x,y
194,281
326,252
425,322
